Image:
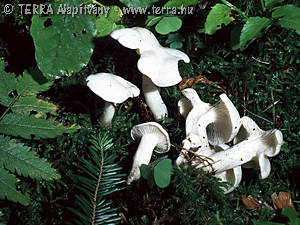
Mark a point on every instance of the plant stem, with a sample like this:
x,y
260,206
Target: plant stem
x,y
263,5
97,3
235,8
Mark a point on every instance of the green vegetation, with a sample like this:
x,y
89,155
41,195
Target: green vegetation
x,y
58,165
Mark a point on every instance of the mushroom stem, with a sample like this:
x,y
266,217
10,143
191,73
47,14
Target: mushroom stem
x,y
142,155
108,114
153,99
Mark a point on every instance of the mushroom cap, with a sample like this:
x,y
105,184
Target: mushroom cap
x,y
153,128
160,64
136,38
232,176
222,121
184,107
198,109
112,88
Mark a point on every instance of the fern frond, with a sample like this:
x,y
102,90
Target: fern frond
x,y
24,126
16,157
100,177
8,188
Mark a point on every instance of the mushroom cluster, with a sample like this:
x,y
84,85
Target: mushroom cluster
x,y
209,128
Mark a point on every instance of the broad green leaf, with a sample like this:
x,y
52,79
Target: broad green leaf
x,y
288,17
271,3
137,3
162,173
253,29
63,42
181,3
27,104
18,158
218,15
168,24
106,24
24,126
8,188
8,83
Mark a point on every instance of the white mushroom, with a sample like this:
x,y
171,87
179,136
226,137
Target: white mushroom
x,y
222,122
218,123
204,151
158,63
257,147
153,99
184,107
152,137
113,89
232,176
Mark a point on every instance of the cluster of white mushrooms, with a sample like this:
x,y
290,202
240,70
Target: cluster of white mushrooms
x,y
208,127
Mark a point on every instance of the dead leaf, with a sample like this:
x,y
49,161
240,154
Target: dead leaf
x,y
189,82
281,200
250,202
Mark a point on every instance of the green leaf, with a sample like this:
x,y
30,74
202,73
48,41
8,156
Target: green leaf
x,y
218,15
271,3
235,36
32,82
168,24
253,29
8,83
292,214
137,3
180,3
24,126
147,174
17,158
162,173
8,188
27,104
63,42
106,24
288,17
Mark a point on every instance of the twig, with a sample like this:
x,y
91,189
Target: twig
x,y
260,117
273,109
257,60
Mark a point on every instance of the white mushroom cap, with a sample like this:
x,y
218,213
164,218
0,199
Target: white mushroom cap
x,y
184,107
163,140
198,109
160,64
250,130
112,88
222,122
136,38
